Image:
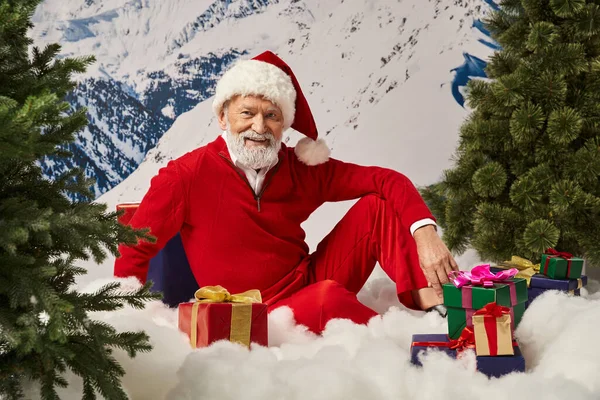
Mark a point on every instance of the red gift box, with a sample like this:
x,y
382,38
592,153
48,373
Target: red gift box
x,y
130,209
221,316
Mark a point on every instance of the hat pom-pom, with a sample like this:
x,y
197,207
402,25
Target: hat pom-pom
x,y
312,152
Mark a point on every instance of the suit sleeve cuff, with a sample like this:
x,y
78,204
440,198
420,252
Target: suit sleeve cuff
x,y
421,223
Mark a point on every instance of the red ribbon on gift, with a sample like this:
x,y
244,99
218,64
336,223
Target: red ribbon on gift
x,y
490,312
464,342
493,309
552,253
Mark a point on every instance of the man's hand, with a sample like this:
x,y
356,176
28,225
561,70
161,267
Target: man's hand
x,y
435,258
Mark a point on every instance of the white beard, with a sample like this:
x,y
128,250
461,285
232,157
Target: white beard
x,y
256,157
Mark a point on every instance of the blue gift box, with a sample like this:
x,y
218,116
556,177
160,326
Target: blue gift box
x,y
492,366
565,285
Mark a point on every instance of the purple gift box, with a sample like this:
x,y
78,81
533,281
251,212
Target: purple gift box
x,y
492,366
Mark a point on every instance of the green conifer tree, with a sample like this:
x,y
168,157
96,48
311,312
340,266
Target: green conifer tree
x,y
45,329
527,167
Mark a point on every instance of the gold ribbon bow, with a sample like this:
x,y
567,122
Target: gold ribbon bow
x,y
526,268
218,294
241,312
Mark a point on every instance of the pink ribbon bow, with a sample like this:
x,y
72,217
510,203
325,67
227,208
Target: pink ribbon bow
x,y
481,276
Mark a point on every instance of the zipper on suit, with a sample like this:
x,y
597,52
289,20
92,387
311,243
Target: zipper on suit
x,y
266,183
257,197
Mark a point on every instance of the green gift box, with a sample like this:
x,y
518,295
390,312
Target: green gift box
x,y
462,303
561,266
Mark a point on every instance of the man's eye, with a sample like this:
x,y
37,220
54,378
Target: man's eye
x,y
246,113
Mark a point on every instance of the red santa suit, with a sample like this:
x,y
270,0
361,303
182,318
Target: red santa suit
x,y
244,239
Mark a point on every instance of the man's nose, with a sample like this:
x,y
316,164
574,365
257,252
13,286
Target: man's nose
x,y
258,124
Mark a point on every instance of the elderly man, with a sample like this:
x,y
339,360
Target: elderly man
x,y
239,201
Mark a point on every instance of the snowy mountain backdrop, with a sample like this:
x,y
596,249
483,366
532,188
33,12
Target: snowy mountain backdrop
x,y
358,61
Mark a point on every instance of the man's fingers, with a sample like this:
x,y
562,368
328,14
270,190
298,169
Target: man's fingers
x,y
434,279
431,276
442,275
453,264
438,289
448,268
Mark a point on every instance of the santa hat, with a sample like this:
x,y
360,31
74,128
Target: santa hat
x,y
269,76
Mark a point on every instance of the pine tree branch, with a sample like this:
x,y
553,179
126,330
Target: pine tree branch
x,y
46,327
527,165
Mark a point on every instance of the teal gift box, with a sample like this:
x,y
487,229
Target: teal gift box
x,y
560,265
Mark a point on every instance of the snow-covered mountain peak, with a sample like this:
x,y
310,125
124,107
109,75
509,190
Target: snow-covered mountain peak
x,y
133,37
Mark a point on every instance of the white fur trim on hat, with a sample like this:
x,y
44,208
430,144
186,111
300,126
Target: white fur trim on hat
x,y
253,77
312,152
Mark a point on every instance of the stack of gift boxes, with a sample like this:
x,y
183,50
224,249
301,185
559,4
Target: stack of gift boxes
x,y
557,271
484,309
486,305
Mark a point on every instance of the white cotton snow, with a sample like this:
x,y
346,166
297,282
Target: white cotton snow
x,y
558,336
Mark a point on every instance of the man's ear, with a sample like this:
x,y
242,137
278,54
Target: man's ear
x,y
223,119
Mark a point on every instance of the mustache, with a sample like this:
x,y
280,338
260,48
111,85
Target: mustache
x,y
250,134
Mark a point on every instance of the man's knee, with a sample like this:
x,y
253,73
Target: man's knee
x,y
317,293
327,284
325,294
326,288
332,295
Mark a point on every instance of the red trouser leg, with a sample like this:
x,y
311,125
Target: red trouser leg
x,y
317,303
369,233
